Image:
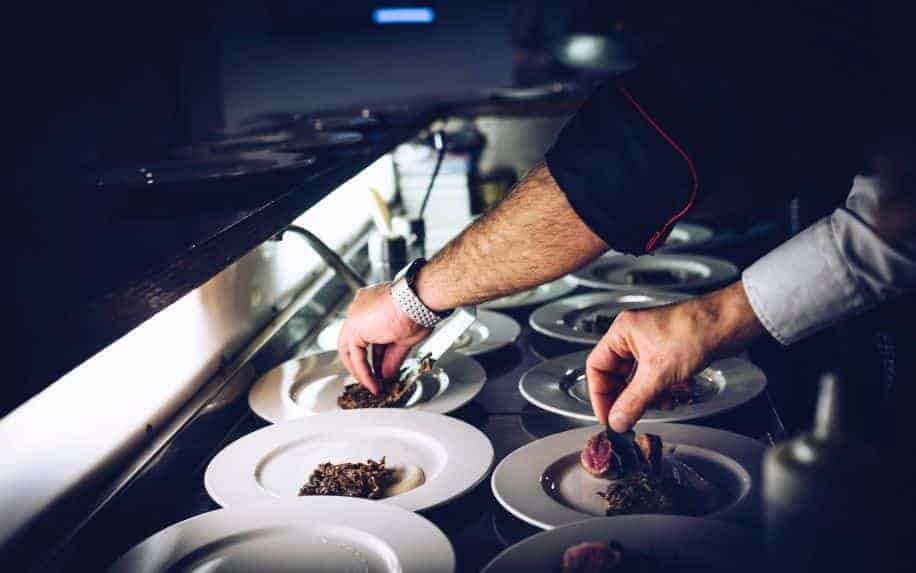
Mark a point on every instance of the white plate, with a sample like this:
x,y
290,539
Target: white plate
x,y
310,534
537,295
728,383
675,542
310,385
686,236
490,332
560,319
521,480
611,271
274,462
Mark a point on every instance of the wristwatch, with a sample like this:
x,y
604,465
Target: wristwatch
x,y
406,299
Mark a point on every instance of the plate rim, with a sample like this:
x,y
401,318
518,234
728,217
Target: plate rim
x,y
705,233
488,318
625,522
583,277
540,319
747,508
272,514
493,321
376,417
565,285
687,413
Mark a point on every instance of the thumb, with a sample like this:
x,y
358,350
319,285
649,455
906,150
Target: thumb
x,y
629,407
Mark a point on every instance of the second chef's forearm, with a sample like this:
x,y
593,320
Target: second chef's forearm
x,y
532,237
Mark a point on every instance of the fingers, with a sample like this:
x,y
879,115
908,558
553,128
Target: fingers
x,y
605,371
394,357
378,355
646,386
360,367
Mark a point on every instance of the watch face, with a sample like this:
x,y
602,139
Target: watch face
x,y
410,271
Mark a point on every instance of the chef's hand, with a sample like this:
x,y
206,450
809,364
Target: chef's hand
x,y
374,319
668,344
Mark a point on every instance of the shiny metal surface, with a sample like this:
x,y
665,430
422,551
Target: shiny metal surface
x,y
352,278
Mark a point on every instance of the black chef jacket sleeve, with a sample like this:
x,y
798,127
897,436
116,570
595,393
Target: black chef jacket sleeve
x,y
624,174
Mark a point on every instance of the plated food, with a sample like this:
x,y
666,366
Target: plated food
x,y
698,471
319,383
433,459
492,331
302,534
605,557
392,394
559,386
538,295
585,318
649,543
644,480
370,480
667,272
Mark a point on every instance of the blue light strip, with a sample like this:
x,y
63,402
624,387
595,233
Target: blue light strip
x,y
403,15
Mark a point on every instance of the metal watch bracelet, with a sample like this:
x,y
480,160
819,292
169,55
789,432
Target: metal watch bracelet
x,y
411,305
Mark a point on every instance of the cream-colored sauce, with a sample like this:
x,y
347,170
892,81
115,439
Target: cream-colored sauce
x,y
406,478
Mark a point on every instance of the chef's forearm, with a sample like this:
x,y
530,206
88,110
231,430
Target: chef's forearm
x,y
531,237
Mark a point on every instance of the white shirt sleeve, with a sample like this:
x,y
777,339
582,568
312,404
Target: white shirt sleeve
x,y
837,267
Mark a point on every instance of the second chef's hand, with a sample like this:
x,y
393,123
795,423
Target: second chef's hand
x,y
669,344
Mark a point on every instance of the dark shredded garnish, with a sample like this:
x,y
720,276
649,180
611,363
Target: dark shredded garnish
x,y
642,494
358,396
367,480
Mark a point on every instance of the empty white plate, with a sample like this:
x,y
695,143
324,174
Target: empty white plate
x,y
680,273
316,534
559,386
274,462
542,483
569,318
310,385
490,332
537,295
674,542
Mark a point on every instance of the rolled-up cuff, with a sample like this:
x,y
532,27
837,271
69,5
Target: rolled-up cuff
x,y
803,285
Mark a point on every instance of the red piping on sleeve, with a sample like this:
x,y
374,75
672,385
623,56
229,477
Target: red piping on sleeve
x,y
663,232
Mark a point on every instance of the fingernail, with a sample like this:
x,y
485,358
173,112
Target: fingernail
x,y
617,421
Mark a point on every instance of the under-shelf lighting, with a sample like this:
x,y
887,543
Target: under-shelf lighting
x,y
416,15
